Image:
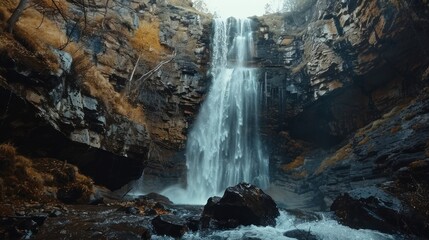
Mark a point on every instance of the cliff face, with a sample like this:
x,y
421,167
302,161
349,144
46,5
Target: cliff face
x,y
330,70
113,87
353,59
105,85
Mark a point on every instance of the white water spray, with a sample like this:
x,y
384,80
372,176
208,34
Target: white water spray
x,y
223,148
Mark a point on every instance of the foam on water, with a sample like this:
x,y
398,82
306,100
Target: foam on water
x,y
326,229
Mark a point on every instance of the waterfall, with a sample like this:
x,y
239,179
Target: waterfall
x,y
223,147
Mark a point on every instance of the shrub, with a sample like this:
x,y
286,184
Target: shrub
x,y
146,41
7,157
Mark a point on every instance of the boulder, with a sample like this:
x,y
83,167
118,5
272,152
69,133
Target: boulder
x,y
372,208
300,235
243,204
156,197
170,225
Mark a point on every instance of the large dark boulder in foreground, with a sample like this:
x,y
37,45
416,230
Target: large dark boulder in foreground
x,y
170,225
372,208
243,204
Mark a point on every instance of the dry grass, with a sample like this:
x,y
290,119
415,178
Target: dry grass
x,y
9,4
7,150
299,175
296,163
54,5
10,49
107,59
7,158
26,179
99,87
180,3
298,68
39,36
146,41
379,122
340,155
364,141
19,177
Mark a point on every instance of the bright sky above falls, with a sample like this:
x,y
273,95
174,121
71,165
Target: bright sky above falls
x,y
240,8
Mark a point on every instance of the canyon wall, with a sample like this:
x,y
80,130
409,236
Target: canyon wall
x,y
110,86
333,68
113,87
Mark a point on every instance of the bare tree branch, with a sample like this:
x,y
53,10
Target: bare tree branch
x,y
105,14
151,72
134,69
15,15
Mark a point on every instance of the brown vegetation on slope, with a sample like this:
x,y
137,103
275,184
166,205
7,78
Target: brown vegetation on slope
x,y
39,35
40,179
146,41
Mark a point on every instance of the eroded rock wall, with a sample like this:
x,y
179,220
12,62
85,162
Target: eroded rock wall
x,y
110,86
344,63
334,68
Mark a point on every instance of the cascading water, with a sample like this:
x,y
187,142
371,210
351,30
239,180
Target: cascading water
x,y
223,147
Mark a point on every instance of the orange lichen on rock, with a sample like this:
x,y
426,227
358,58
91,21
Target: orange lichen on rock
x,y
299,175
338,156
296,163
364,141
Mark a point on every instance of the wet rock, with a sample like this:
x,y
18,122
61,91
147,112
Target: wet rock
x,y
150,212
170,225
156,198
372,208
145,234
193,223
20,227
243,204
329,70
304,216
96,200
301,235
129,210
55,213
71,194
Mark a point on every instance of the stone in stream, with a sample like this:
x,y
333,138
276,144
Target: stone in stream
x,y
243,204
170,225
372,208
300,235
156,197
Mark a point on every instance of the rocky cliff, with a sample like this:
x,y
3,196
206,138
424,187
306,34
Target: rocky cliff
x,y
113,86
110,86
333,68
